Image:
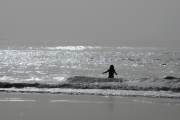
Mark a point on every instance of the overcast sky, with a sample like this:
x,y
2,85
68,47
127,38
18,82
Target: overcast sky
x,y
92,22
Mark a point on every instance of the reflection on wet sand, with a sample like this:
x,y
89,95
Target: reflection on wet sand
x,y
111,104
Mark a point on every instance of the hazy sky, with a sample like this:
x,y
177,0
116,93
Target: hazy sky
x,y
92,22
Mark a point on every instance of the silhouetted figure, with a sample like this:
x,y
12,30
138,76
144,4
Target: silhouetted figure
x,y
111,72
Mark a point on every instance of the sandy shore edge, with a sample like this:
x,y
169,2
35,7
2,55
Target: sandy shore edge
x,y
21,106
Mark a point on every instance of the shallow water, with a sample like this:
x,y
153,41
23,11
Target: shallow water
x,y
139,69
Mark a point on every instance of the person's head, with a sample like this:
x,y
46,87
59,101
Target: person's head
x,y
111,67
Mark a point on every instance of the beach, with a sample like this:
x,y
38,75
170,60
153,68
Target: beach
x,y
23,106
53,54
66,83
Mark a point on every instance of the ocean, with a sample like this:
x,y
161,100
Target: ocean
x,y
142,71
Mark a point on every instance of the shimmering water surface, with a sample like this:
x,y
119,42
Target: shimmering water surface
x,y
139,69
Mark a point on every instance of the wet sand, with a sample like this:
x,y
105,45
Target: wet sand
x,y
86,107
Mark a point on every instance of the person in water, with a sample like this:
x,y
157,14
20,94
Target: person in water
x,y
111,71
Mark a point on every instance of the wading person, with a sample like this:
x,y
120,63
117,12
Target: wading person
x,y
111,71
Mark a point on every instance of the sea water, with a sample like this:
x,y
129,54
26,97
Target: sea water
x,y
149,72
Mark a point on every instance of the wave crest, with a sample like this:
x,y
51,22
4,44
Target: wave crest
x,y
81,82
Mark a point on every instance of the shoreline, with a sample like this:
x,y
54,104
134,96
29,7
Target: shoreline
x,y
86,107
95,92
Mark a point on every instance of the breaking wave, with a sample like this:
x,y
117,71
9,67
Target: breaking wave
x,y
81,82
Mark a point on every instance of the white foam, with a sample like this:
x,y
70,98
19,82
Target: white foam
x,y
78,101
155,94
